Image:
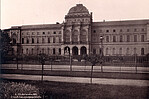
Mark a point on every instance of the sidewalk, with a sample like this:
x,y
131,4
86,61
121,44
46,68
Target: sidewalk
x,y
104,81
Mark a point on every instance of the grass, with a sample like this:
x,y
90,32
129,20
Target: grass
x,y
61,90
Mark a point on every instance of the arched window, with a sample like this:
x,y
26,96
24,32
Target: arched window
x,y
121,38
83,36
128,38
127,51
113,51
142,51
75,36
67,36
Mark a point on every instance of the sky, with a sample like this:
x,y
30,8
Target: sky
x,y
29,12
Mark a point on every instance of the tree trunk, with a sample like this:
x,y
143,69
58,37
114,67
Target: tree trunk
x,y
91,74
42,73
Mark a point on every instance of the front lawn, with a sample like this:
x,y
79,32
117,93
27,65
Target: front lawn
x,y
61,90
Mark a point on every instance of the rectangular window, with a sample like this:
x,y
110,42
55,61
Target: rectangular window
x,y
107,38
142,38
114,38
32,40
121,38
59,51
53,39
48,40
22,40
59,39
53,51
27,41
128,38
135,38
135,30
43,40
37,40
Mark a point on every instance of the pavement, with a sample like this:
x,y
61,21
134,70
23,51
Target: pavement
x,y
104,81
127,69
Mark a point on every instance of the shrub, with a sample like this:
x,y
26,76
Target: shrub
x,y
9,89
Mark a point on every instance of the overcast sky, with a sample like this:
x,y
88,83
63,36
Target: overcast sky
x,y
27,12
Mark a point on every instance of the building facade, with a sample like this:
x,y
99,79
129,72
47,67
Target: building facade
x,y
79,35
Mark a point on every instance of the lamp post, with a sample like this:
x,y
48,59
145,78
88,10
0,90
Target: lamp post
x,y
101,52
42,59
136,62
70,61
18,53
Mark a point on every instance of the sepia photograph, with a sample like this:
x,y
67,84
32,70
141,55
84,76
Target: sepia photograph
x,y
74,49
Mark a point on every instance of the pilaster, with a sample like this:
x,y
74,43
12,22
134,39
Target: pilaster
x,y
148,32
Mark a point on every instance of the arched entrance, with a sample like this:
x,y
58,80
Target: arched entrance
x,y
75,50
83,50
66,50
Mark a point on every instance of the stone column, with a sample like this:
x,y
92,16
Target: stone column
x,y
148,32
70,51
87,30
87,51
79,52
71,29
62,31
79,34
62,50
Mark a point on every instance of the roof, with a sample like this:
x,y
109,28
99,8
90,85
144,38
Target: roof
x,y
125,22
79,8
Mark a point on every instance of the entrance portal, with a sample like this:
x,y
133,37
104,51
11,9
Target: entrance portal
x,y
67,51
75,51
83,50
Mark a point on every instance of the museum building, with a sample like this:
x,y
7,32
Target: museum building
x,y
79,35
